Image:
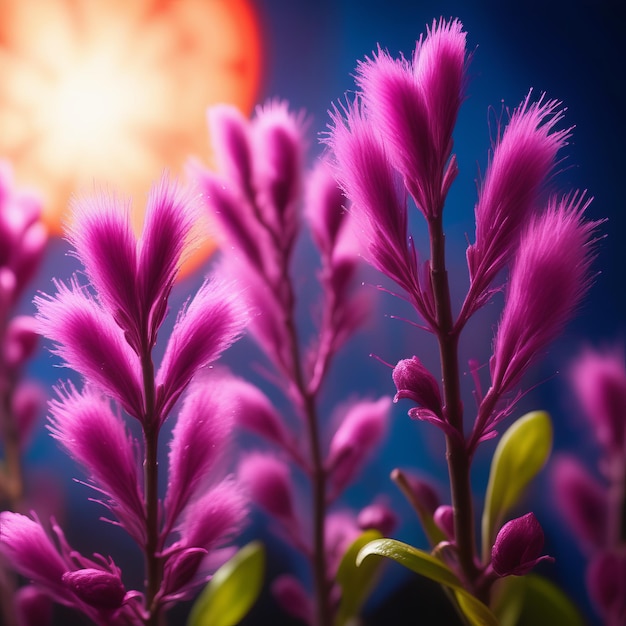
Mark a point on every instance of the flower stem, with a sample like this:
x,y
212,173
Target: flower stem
x,y
318,483
456,450
153,566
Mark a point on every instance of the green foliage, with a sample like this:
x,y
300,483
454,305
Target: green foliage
x,y
355,582
521,453
423,563
533,601
232,591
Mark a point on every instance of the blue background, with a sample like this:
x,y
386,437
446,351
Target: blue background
x,y
571,50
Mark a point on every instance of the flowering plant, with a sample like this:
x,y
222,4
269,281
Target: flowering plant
x,y
390,148
106,331
393,143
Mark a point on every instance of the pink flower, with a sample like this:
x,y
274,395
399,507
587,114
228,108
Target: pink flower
x,y
414,105
599,382
199,441
267,479
550,275
90,342
582,501
606,582
374,189
95,437
522,160
361,430
210,323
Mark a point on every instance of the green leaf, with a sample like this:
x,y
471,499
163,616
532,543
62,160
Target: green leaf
x,y
355,581
521,452
232,591
538,601
427,565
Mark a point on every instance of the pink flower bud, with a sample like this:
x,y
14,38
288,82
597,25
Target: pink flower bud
x,y
21,340
292,597
582,500
606,582
379,517
444,518
33,607
518,547
414,382
27,404
32,248
599,381
267,479
361,430
102,590
180,569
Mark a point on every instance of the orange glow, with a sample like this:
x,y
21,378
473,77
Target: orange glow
x,y
112,92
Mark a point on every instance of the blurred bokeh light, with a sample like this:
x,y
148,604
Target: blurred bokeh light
x,y
111,93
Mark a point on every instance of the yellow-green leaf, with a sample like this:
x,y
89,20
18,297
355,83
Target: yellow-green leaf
x,y
232,591
538,602
420,562
355,581
521,452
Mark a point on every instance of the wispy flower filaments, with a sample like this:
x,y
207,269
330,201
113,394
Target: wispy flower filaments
x,y
395,141
255,199
106,331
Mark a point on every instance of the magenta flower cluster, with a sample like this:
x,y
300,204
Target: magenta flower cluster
x,y
23,239
593,506
106,330
255,200
392,144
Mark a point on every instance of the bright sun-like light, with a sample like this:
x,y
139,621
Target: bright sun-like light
x,y
112,92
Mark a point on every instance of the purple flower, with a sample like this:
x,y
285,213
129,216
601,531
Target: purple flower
x,y
518,547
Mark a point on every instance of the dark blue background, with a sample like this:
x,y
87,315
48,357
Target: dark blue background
x,y
571,50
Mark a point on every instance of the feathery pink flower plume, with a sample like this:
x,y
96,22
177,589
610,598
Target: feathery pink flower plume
x,y
414,106
550,275
107,331
523,159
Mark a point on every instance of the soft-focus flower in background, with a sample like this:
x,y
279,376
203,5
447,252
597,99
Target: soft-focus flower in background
x,y
593,505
